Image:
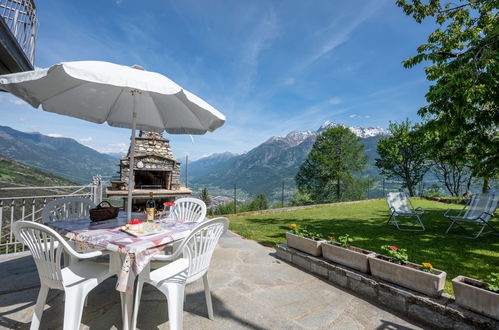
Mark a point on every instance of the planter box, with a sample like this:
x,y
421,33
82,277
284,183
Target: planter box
x,y
408,276
306,245
471,294
352,257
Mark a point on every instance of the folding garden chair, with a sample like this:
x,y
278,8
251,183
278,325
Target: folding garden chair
x,y
480,209
401,206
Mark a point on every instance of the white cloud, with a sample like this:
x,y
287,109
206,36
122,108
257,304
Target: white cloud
x,y
87,139
367,116
352,115
289,81
114,148
55,135
23,118
335,100
17,101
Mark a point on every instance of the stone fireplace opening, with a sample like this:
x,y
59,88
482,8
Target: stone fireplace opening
x,y
147,179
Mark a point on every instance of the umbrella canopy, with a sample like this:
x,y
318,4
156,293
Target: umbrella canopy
x,y
122,96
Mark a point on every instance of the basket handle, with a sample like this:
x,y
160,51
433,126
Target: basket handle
x,y
101,206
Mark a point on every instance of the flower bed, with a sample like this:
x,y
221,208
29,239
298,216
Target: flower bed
x,y
304,244
474,295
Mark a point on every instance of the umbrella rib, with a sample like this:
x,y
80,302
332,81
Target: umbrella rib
x,y
187,106
159,112
64,91
114,103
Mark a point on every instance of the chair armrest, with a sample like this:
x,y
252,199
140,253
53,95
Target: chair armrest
x,y
419,210
449,210
164,257
89,255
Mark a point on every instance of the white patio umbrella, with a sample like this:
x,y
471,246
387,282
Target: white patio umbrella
x,y
122,96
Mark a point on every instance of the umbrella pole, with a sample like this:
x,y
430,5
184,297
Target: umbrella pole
x,y
131,180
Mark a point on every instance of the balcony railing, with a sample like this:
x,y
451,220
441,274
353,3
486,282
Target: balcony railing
x,y
29,204
20,17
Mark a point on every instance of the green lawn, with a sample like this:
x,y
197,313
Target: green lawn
x,y
366,223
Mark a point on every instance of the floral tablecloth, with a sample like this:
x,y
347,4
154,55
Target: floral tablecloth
x,y
135,252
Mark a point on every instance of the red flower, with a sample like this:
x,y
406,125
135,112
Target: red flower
x,y
394,248
169,203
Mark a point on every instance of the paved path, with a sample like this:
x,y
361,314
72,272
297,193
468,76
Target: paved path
x,y
251,289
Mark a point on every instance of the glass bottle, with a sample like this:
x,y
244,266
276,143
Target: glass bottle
x,y
150,208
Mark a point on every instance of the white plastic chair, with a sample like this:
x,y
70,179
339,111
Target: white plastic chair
x,y
480,210
188,209
76,280
171,279
401,206
68,207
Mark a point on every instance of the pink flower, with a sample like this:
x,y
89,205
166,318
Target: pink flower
x,y
394,248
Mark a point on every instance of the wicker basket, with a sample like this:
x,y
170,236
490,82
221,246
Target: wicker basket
x,y
104,212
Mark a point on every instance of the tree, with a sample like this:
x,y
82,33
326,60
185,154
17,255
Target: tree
x,y
335,156
452,171
205,197
402,155
463,54
259,202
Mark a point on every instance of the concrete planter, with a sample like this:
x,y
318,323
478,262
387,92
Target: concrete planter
x,y
306,245
352,257
471,294
408,276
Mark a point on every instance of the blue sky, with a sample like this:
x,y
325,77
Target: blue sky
x,y
270,66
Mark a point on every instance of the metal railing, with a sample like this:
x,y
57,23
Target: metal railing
x,y
20,17
30,207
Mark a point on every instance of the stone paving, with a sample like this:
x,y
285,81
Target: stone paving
x,y
251,289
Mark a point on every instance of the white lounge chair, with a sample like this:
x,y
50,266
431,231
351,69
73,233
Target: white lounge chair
x,y
192,265
76,280
480,209
401,206
68,207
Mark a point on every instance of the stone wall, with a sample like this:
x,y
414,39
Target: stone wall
x,y
436,313
152,151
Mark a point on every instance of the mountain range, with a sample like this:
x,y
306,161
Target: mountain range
x,y
262,169
63,157
272,163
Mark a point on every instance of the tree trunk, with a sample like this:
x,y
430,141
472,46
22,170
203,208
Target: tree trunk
x,y
338,189
410,187
486,185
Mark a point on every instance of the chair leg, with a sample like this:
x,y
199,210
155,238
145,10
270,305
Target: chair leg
x,y
73,307
138,294
207,295
40,304
174,293
452,224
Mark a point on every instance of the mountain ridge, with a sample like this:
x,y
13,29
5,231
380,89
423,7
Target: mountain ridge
x,y
272,163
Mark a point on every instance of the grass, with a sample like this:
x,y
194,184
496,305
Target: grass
x,y
365,222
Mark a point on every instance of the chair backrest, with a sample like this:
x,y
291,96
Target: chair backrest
x,y
198,247
188,210
482,205
398,202
46,247
68,207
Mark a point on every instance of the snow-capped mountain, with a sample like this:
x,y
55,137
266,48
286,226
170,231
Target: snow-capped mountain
x,y
362,132
293,138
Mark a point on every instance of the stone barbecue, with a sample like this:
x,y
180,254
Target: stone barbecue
x,y
155,169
